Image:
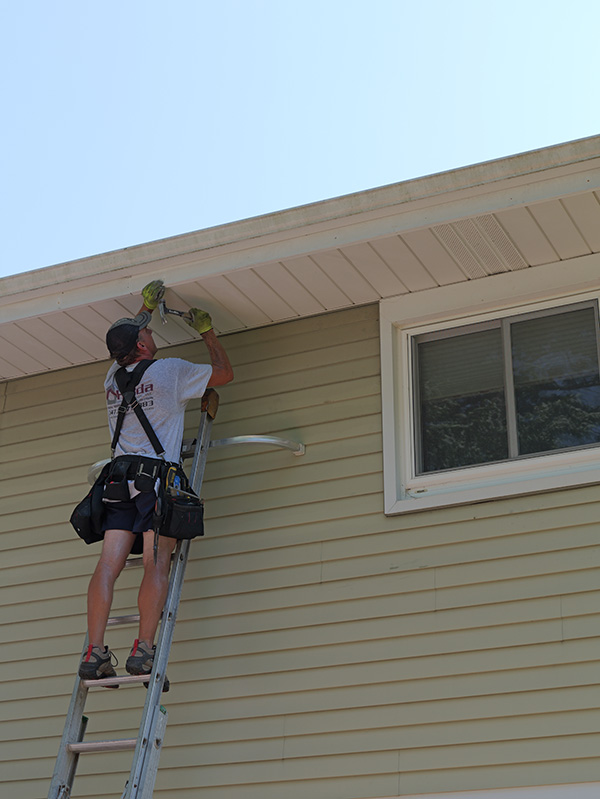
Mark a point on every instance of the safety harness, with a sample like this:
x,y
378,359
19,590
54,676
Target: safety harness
x,y
127,383
143,471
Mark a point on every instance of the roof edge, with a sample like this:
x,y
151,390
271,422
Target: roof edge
x,y
290,220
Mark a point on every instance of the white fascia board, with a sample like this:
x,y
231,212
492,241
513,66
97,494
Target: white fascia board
x,y
483,188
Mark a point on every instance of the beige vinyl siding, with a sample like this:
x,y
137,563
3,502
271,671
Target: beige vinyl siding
x,y
322,649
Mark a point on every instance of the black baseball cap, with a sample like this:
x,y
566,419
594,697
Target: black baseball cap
x,y
123,334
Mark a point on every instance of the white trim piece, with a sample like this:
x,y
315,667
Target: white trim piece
x,y
580,790
536,176
404,317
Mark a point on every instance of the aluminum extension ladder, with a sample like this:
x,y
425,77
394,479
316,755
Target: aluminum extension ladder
x,y
148,744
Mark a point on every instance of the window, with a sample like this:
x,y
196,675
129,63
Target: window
x,y
483,398
508,388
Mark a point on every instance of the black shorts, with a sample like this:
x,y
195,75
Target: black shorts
x,y
134,515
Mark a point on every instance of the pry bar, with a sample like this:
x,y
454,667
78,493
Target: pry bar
x,y
163,311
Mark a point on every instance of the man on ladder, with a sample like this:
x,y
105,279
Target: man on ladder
x,y
167,386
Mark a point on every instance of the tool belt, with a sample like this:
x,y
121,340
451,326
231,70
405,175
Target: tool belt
x,y
142,470
178,513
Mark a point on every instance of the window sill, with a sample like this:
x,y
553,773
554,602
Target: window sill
x,y
498,481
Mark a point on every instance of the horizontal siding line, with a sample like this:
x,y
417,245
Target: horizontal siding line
x,y
93,402
489,511
506,753
278,477
264,462
296,494
425,535
376,650
309,769
293,598
315,724
290,331
545,559
243,696
106,723
374,740
98,430
208,588
49,411
222,612
96,437
337,630
237,623
272,462
345,361
99,450
274,661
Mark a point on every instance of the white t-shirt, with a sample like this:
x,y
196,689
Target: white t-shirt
x,y
165,389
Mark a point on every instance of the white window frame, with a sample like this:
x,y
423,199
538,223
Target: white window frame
x,y
403,318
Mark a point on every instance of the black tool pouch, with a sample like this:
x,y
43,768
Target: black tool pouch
x,y
88,516
146,474
187,518
178,514
117,487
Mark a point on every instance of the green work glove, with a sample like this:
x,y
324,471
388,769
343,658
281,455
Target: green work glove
x,y
153,293
199,320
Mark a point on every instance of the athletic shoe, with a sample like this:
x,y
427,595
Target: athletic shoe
x,y
141,661
96,664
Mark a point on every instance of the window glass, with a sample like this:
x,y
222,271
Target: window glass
x,y
557,385
519,386
461,400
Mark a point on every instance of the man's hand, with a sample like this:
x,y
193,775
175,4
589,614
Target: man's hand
x,y
199,320
153,293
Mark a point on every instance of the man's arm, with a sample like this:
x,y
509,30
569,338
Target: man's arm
x,y
222,371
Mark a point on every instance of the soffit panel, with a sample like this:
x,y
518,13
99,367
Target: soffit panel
x,y
464,249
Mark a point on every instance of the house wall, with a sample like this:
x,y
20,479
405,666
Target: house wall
x,y
322,649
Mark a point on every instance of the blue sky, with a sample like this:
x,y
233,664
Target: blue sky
x,y
127,122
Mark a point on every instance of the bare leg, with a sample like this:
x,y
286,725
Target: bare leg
x,y
155,584
115,549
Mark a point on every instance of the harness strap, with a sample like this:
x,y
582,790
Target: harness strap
x,y
127,382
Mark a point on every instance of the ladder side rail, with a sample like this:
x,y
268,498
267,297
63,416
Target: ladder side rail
x,y
75,759
74,729
147,787
143,770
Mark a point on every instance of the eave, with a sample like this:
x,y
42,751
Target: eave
x,y
468,224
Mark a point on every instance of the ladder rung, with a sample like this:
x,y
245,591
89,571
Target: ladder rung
x,y
122,745
115,621
108,681
132,563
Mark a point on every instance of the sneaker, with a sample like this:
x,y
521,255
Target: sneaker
x,y
96,664
141,660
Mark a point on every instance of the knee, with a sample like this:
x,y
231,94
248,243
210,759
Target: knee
x,y
156,570
108,569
